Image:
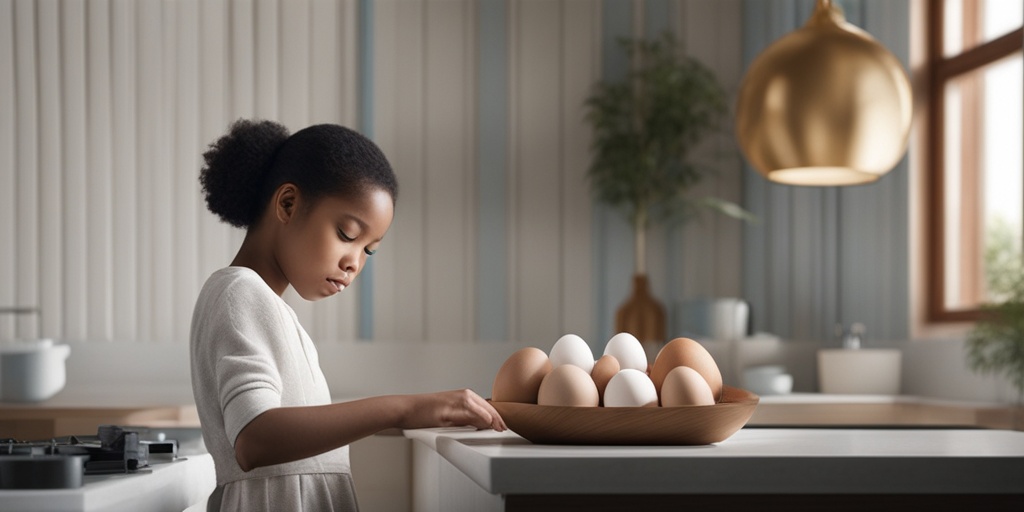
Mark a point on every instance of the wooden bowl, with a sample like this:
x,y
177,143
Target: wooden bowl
x,y
684,425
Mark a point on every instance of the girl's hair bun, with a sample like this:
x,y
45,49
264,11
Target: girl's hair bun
x,y
236,167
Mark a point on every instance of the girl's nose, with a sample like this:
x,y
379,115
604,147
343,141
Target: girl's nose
x,y
349,264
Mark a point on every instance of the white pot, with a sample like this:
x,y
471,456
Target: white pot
x,y
32,371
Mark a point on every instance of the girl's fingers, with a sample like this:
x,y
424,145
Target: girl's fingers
x,y
487,416
498,422
480,417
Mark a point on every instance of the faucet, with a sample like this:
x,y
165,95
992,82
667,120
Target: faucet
x,y
853,337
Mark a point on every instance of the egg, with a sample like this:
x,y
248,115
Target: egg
x,y
628,351
684,386
568,385
604,369
630,388
571,349
519,378
687,352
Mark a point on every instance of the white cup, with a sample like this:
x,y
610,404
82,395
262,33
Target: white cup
x,y
768,380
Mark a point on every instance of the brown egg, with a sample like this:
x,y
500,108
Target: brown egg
x,y
687,352
604,369
519,378
684,386
568,385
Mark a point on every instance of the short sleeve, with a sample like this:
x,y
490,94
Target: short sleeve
x,y
249,386
246,368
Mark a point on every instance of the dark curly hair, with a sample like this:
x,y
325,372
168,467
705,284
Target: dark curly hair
x,y
246,166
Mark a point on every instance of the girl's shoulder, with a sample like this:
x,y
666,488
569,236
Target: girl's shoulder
x,y
231,284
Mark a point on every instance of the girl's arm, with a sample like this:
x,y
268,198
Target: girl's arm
x,y
287,434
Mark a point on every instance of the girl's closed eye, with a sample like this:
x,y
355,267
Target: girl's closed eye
x,y
345,237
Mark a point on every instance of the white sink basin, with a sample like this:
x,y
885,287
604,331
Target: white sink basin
x,y
860,371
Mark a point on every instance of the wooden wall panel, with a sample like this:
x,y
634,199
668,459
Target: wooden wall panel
x,y
581,29
50,194
125,172
74,283
448,97
8,160
148,165
99,165
186,158
27,165
492,277
536,186
400,292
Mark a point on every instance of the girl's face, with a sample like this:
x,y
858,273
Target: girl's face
x,y
321,250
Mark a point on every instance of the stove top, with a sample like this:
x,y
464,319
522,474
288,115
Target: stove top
x,y
60,463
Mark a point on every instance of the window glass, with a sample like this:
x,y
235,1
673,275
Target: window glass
x,y
969,23
983,181
1003,168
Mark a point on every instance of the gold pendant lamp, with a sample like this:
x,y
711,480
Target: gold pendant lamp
x,y
824,105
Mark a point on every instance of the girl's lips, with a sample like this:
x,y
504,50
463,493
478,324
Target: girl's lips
x,y
337,284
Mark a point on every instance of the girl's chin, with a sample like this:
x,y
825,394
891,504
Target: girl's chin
x,y
317,294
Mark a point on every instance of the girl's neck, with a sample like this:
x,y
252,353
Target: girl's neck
x,y
255,254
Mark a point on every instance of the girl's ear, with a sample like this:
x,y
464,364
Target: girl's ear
x,y
286,202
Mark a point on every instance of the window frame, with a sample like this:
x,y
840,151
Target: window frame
x,y
941,71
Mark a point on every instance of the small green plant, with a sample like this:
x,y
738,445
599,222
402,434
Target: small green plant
x,y
645,128
996,344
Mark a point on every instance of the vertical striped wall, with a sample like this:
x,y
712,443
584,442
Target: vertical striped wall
x,y
479,105
832,255
107,106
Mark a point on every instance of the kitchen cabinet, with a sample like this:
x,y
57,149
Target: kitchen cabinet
x,y
759,468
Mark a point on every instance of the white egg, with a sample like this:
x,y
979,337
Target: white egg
x,y
628,351
571,349
630,388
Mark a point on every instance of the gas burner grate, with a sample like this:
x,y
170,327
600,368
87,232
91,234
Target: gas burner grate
x,y
61,462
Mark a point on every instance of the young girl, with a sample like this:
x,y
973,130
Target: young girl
x,y
315,206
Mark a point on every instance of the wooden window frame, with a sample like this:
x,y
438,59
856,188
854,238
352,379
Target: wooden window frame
x,y
942,70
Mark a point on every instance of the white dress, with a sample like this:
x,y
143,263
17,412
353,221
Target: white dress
x,y
249,354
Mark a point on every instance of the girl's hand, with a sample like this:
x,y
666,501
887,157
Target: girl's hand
x,y
285,434
451,409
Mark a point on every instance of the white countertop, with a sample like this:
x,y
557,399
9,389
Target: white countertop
x,y
754,460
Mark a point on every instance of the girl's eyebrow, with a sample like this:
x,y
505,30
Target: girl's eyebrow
x,y
349,216
362,225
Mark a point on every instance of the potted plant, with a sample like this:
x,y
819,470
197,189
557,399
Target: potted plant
x,y
996,344
645,127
